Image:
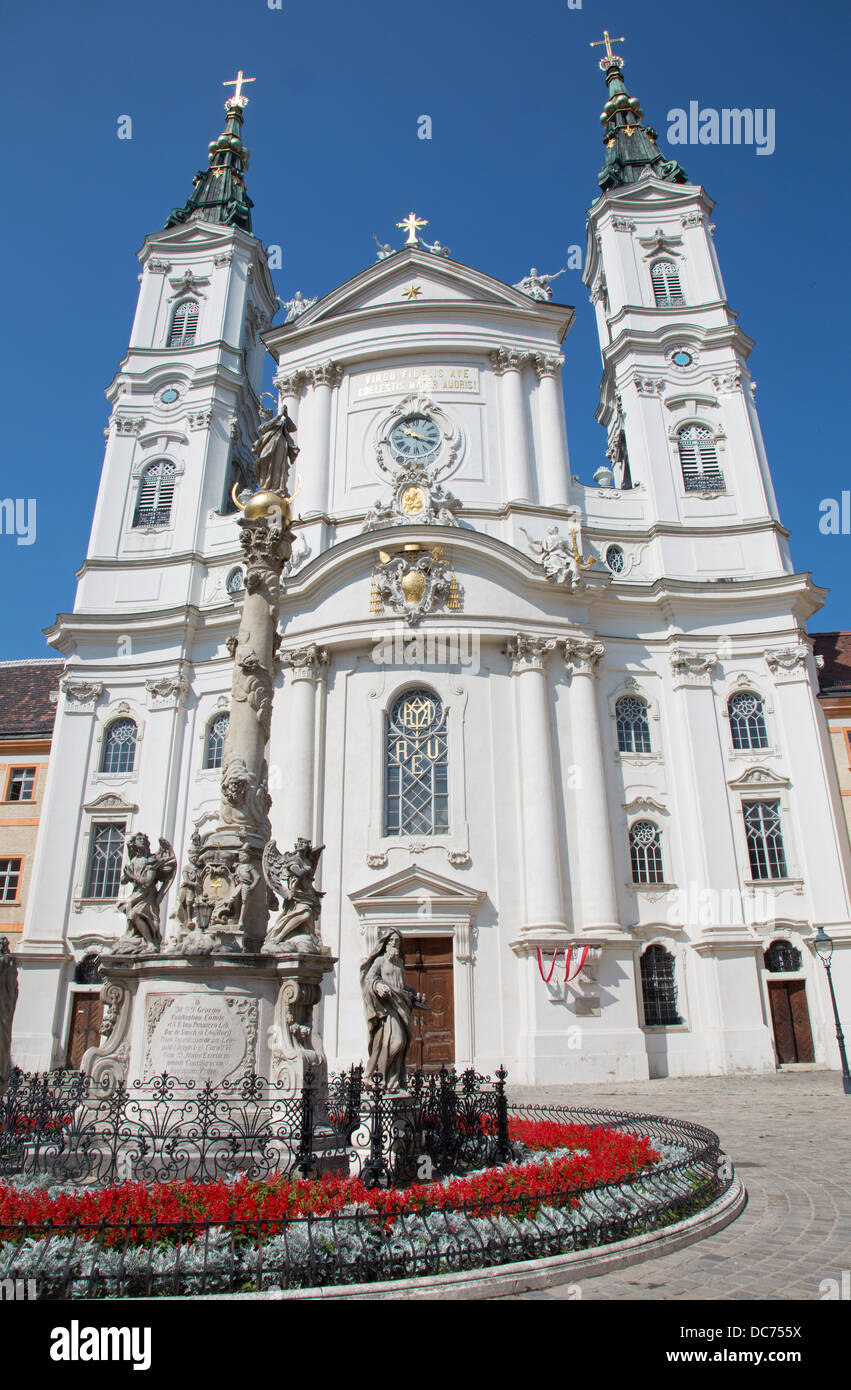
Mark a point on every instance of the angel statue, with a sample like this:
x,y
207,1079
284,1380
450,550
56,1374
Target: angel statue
x,y
435,248
150,876
291,876
384,248
537,286
389,1003
561,556
274,451
296,306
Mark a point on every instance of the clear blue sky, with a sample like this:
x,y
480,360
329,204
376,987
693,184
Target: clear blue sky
x,y
514,93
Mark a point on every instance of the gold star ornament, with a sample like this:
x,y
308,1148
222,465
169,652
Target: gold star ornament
x,y
412,292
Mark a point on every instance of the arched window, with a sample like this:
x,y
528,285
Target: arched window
x,y
659,988
699,460
184,322
416,788
615,559
119,746
645,851
235,582
217,731
156,494
747,721
666,284
633,725
782,955
765,839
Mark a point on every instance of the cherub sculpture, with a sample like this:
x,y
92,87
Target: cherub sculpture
x,y
291,876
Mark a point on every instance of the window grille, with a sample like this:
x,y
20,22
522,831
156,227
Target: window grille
x,y
765,839
645,848
119,747
666,284
658,988
22,784
699,460
633,725
235,581
106,851
747,720
416,766
184,323
782,955
615,559
156,494
216,734
10,877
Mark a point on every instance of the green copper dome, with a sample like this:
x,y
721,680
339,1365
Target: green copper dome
x,y
218,193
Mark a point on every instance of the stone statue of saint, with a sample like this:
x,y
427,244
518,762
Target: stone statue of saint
x,y
245,879
190,884
150,876
435,248
296,306
291,876
538,287
8,1000
561,556
389,1003
274,451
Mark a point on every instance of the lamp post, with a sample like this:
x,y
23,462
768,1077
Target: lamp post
x,y
824,947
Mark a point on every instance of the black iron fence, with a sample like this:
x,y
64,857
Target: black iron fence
x,y
359,1244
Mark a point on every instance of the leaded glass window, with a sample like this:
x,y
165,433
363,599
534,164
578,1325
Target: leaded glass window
x,y
666,284
216,735
416,794
782,955
156,494
659,988
119,747
699,460
184,323
747,721
765,839
633,725
106,851
645,849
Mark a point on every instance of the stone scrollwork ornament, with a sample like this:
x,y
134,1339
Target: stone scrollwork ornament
x,y
149,875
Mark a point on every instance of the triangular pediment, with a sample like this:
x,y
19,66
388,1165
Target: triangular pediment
x,y
388,284
409,888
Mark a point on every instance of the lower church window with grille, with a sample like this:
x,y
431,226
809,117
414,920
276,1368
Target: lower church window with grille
x,y
416,788
106,851
645,849
659,988
765,839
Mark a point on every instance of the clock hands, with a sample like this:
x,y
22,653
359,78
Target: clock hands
x,y
414,434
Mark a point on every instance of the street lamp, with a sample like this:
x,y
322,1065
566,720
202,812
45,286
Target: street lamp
x,y
824,947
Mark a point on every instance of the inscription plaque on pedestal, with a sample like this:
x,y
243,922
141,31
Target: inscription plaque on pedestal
x,y
200,1037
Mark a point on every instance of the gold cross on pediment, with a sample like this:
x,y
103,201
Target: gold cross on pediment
x,y
608,41
411,224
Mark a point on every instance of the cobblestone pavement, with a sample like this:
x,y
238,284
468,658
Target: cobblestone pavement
x,y
788,1137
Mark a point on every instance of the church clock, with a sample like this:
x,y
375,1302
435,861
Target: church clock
x,y
415,439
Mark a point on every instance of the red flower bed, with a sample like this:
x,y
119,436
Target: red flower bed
x,y
612,1156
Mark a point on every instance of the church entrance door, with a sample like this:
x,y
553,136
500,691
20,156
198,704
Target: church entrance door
x,y
428,966
84,1032
790,1019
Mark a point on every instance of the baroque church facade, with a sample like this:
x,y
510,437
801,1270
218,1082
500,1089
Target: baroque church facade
x,y
563,735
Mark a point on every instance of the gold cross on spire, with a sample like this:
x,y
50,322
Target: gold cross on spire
x,y
608,41
237,82
411,225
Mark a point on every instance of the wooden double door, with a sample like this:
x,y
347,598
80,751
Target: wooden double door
x,y
790,1019
84,1030
428,966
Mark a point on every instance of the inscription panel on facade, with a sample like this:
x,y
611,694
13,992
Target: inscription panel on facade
x,y
391,381
200,1037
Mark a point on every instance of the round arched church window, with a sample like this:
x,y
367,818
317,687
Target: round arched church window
x,y
615,559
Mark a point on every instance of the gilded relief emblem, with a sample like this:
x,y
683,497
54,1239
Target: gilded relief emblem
x,y
414,581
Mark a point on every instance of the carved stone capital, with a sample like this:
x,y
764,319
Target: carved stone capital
x,y
508,360
167,692
623,224
158,267
81,696
290,385
128,424
582,655
529,653
305,663
787,663
547,364
325,374
692,667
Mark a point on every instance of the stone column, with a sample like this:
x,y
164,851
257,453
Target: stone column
x,y
316,445
244,820
508,365
289,392
543,898
555,468
597,870
307,669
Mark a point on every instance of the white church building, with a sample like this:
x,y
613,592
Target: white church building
x,y
561,733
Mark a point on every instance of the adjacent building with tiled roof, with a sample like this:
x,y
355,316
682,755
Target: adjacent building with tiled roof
x,y
834,680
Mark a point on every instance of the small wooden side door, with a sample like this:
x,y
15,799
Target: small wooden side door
x,y
790,1019
428,966
86,1017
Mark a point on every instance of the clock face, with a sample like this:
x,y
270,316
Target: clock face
x,y
415,439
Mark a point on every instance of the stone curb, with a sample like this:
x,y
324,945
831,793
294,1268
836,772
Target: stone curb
x,y
506,1280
